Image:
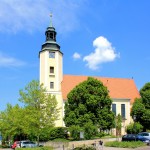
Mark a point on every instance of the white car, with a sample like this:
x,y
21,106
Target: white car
x,y
28,144
145,134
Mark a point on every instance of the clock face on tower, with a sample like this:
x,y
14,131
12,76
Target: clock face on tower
x,y
51,54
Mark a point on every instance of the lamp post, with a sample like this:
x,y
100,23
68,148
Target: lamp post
x,y
134,118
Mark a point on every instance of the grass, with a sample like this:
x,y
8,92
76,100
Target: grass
x,y
60,140
125,144
108,136
36,148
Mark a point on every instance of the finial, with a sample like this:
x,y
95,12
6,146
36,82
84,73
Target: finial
x,y
51,15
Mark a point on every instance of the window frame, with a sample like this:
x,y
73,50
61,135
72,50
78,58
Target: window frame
x,y
123,111
114,110
51,85
51,70
51,54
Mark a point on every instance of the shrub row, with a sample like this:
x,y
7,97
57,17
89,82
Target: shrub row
x,y
85,148
125,144
54,133
38,148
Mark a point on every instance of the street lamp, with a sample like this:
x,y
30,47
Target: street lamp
x,y
134,118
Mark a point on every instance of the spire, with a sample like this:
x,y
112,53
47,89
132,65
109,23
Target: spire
x,y
51,24
50,41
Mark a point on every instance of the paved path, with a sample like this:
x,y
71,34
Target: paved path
x,y
104,148
114,148
139,148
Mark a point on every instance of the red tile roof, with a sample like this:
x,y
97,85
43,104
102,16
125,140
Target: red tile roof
x,y
119,88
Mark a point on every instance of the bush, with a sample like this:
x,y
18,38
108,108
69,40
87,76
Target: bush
x,y
37,148
102,134
134,128
85,148
58,132
89,130
125,144
5,146
61,140
75,132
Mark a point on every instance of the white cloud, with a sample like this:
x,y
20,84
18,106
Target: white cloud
x,y
76,56
104,52
31,15
7,61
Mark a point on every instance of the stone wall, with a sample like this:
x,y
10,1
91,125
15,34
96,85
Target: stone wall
x,y
73,144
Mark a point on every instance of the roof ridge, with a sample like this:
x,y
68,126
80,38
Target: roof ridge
x,y
97,76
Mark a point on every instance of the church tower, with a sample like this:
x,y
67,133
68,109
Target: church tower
x,y
51,73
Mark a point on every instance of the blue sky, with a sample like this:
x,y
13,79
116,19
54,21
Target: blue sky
x,y
108,38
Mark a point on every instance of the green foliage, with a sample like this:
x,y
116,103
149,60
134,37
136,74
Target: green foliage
x,y
141,107
138,109
11,123
134,128
36,148
89,103
58,132
38,114
61,140
41,109
118,121
44,136
85,148
75,132
4,146
101,134
89,130
124,144
145,94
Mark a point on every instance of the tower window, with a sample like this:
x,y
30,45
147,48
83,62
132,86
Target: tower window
x,y
123,113
51,69
52,55
51,85
51,35
114,108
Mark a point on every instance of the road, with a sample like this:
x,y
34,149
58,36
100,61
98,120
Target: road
x,y
105,148
140,148
113,148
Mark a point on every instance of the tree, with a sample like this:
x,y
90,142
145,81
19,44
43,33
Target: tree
x,y
134,128
141,107
145,95
138,109
41,110
89,103
11,123
118,122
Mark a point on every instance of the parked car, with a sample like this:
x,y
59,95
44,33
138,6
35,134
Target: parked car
x,y
15,144
24,144
135,137
129,137
145,134
143,139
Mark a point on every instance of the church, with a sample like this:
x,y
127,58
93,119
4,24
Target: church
x,y
122,91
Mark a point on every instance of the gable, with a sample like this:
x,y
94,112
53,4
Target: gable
x,y
119,88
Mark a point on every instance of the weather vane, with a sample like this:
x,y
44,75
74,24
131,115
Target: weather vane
x,y
51,15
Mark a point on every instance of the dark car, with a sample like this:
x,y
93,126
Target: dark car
x,y
129,137
135,137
